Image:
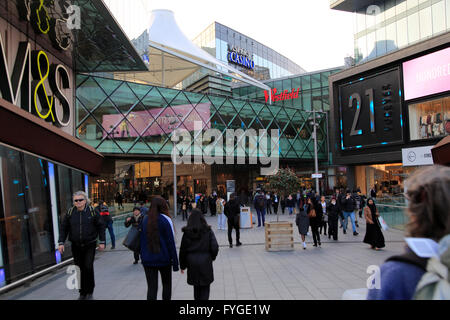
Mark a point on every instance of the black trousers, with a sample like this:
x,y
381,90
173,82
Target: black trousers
x,y
136,255
333,228
275,207
201,292
151,273
269,208
315,233
233,223
324,226
83,256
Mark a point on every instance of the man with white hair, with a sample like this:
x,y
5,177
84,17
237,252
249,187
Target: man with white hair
x,y
83,225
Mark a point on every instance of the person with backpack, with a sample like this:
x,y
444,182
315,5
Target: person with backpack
x,y
260,206
348,205
198,250
134,221
108,222
421,272
83,225
232,211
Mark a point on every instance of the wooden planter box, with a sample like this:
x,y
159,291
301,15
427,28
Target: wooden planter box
x,y
279,236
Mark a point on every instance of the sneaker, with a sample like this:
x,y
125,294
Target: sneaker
x,y
136,262
355,233
238,244
231,245
113,247
345,232
315,245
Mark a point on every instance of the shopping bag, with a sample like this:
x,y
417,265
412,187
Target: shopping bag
x,y
383,223
133,240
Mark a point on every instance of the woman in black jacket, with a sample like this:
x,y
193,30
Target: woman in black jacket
x,y
198,250
333,217
135,220
316,221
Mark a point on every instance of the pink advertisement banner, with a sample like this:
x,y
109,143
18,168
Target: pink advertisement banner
x,y
427,75
166,122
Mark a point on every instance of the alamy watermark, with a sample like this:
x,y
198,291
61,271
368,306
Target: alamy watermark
x,y
74,280
208,147
374,280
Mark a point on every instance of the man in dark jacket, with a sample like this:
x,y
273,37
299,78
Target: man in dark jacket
x,y
83,225
212,204
333,216
260,205
232,211
348,205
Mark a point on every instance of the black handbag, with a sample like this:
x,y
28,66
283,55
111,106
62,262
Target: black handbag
x,y
133,239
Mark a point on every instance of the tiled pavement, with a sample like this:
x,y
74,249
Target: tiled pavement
x,y
248,272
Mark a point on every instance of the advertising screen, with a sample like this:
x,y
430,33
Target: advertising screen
x,y
427,75
370,111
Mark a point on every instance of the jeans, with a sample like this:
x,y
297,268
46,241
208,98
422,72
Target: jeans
x,y
83,257
291,210
352,218
136,255
221,220
111,233
201,292
261,214
151,273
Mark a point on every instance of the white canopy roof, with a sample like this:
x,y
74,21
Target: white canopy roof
x,y
173,57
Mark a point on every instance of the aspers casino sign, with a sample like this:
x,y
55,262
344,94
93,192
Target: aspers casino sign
x,y
240,57
27,85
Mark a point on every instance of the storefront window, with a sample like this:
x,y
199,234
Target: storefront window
x,y
430,119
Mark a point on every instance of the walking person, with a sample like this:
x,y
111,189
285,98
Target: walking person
x,y
333,217
198,250
408,276
302,222
348,209
83,225
212,204
232,211
203,205
268,203
158,251
283,204
324,224
119,199
315,219
135,221
290,204
221,218
260,205
108,222
184,207
275,202
338,195
374,236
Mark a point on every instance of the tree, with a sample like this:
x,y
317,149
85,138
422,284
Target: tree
x,y
285,182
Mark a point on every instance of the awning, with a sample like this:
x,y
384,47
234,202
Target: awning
x,y
22,130
173,57
441,152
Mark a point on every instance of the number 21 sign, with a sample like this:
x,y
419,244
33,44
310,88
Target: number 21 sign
x,y
370,111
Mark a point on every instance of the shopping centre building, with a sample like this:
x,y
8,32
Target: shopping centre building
x,y
81,110
393,106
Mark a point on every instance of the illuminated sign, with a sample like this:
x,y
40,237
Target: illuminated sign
x,y
45,19
240,57
371,111
27,84
285,95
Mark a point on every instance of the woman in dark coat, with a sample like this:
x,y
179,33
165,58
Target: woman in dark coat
x,y
302,221
316,221
203,205
198,250
333,217
374,236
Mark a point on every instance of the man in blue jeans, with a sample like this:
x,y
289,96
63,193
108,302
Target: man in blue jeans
x,y
260,206
348,205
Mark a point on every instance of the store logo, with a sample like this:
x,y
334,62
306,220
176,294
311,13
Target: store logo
x,y
285,95
240,57
45,18
27,84
412,156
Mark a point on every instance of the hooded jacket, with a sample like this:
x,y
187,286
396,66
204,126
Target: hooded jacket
x,y
197,252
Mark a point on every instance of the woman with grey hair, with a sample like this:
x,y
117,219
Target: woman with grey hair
x,y
428,195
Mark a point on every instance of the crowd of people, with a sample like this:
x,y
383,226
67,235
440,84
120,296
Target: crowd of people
x,y
401,276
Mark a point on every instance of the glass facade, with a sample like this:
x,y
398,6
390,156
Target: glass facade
x,y
118,117
388,25
26,220
313,93
269,64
